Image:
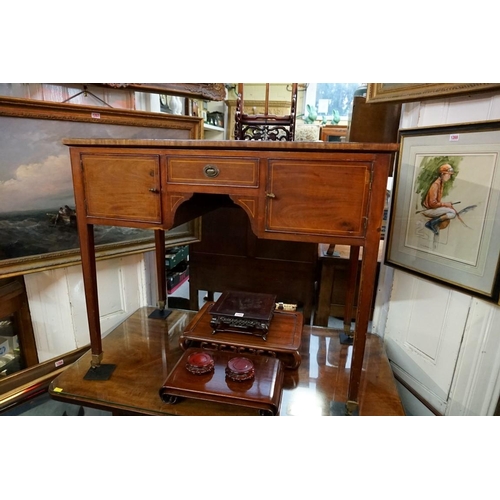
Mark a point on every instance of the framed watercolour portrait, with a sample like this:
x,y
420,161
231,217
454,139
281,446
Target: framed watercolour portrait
x,y
445,213
37,223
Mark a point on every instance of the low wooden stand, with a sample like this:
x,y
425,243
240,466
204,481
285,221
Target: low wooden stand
x,y
283,338
262,392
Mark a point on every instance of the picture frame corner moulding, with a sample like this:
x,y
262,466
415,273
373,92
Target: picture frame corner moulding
x,y
204,91
410,92
37,218
445,210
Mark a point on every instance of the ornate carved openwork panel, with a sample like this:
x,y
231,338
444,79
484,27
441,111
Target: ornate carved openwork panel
x,y
265,126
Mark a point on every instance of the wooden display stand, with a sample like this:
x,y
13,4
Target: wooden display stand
x,y
262,392
283,339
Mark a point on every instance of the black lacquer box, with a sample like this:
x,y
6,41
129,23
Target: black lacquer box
x,y
243,312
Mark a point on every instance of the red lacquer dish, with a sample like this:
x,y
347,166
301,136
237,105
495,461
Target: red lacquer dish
x,y
239,369
199,362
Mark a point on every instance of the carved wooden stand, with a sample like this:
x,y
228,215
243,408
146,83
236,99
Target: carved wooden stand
x,y
262,392
283,339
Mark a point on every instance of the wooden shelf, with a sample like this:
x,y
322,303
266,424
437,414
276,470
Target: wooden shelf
x,y
207,126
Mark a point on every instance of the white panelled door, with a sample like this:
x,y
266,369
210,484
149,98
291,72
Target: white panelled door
x,y
423,334
57,302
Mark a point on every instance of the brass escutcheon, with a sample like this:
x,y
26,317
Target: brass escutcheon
x,y
210,171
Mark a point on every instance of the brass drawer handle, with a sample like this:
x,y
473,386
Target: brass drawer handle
x,y
210,171
154,190
270,195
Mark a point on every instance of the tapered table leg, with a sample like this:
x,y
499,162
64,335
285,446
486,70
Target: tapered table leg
x,y
347,336
160,312
97,370
87,248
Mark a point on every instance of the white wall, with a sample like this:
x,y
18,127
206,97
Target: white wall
x,y
57,302
444,344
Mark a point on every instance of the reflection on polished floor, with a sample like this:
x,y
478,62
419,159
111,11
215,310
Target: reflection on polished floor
x,y
306,402
45,406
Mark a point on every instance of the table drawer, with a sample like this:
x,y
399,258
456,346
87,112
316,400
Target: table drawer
x,y
213,171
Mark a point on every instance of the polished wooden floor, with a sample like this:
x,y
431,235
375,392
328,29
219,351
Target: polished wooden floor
x,y
145,350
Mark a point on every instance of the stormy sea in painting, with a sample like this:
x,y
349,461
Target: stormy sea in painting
x,y
37,232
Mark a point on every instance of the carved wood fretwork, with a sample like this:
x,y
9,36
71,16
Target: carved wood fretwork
x,y
266,126
265,133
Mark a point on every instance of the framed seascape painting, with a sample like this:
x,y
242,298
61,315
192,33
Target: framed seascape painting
x,y
445,213
37,218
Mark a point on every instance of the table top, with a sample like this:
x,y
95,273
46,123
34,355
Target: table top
x,y
235,145
146,350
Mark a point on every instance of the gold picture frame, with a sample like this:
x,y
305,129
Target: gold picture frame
x,y
204,91
35,179
408,92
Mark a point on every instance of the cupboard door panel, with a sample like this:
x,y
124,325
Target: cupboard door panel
x,y
318,197
122,187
